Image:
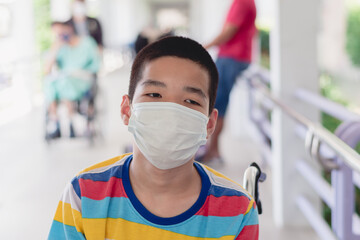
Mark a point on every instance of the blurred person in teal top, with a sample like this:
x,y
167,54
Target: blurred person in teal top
x,y
71,66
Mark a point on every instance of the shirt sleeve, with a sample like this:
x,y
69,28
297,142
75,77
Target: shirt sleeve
x,y
67,223
249,229
237,13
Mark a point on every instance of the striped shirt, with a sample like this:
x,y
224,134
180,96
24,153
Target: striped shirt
x,y
99,203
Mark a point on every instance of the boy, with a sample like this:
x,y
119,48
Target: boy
x,y
159,192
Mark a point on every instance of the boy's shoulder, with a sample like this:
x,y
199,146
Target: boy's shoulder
x,y
102,167
227,197
223,185
93,182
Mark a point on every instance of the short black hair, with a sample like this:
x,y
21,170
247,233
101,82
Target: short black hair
x,y
180,47
53,23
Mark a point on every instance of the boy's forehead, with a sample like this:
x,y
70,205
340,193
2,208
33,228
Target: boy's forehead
x,y
161,63
184,66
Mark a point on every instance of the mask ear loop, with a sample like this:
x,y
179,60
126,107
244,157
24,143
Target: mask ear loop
x,y
131,108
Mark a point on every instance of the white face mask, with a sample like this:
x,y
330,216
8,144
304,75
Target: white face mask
x,y
79,9
167,134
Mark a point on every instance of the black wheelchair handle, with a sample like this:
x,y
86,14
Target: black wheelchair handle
x,y
259,177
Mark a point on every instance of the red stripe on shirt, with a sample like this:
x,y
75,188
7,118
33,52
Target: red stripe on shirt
x,y
98,190
249,232
225,206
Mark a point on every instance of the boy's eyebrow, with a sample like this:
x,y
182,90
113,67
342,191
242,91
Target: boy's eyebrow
x,y
195,90
151,82
189,89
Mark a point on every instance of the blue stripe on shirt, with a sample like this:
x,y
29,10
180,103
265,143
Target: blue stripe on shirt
x,y
60,231
218,191
122,208
115,171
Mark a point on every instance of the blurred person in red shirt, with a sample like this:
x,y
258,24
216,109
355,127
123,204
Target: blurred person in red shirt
x,y
234,56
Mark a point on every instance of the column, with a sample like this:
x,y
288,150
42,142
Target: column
x,y
293,65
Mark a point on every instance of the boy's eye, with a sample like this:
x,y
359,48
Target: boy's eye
x,y
155,95
192,102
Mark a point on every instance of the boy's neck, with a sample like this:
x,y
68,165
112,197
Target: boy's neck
x,y
147,176
156,188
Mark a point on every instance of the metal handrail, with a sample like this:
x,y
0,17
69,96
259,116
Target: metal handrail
x,y
334,109
349,155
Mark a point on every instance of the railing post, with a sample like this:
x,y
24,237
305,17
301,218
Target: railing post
x,y
341,215
342,181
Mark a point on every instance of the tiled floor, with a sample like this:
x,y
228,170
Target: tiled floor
x,y
33,174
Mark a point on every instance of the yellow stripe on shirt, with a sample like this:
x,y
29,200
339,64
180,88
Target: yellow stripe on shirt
x,y
119,228
69,216
251,205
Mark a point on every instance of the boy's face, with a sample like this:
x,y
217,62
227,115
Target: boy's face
x,y
177,80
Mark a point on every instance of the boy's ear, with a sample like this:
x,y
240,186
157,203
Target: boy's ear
x,y
125,109
212,123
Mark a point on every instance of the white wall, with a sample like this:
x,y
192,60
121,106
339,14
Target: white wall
x,y
21,41
123,19
17,52
60,10
211,18
265,13
332,36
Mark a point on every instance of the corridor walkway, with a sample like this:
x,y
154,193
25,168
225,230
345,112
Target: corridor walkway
x,y
33,174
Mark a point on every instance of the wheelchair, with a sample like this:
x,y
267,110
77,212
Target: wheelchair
x,y
84,107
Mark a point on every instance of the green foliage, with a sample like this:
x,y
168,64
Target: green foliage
x,y
330,90
326,213
353,35
42,24
264,38
358,148
329,122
